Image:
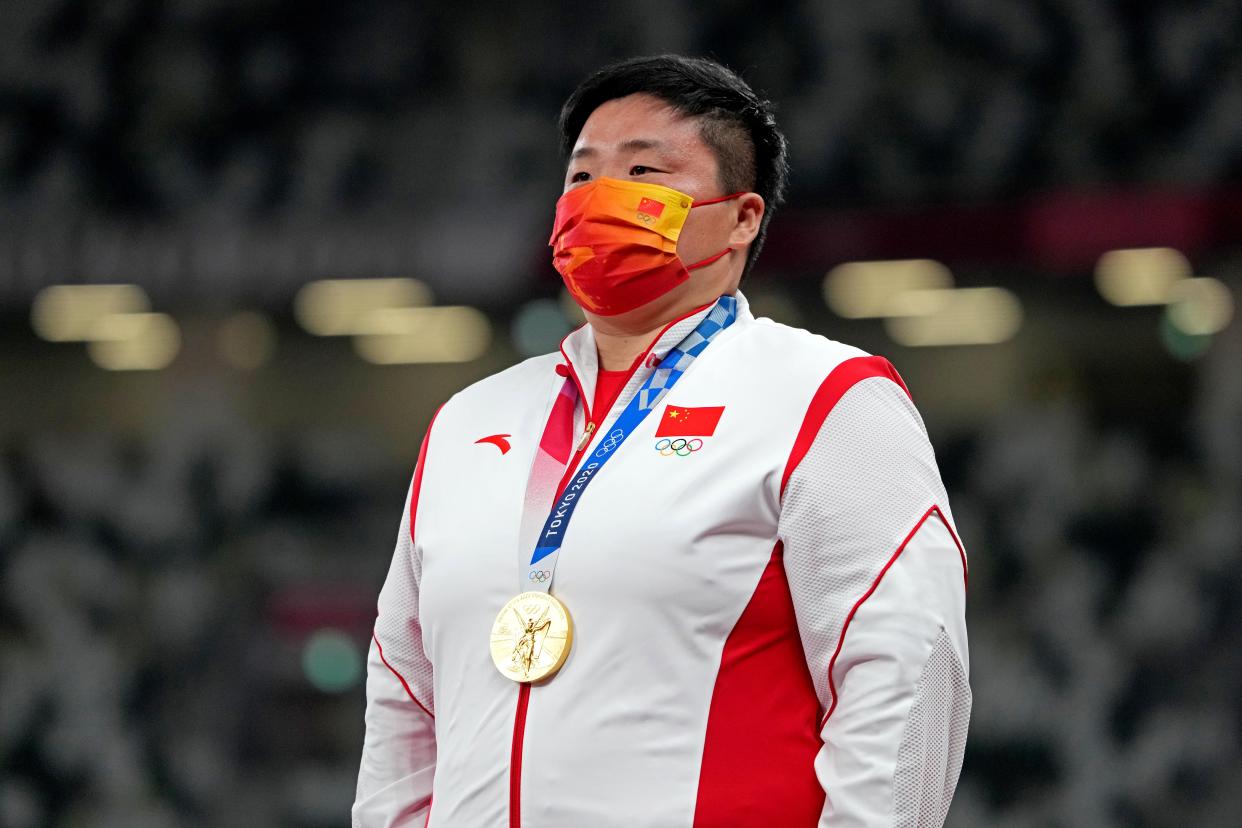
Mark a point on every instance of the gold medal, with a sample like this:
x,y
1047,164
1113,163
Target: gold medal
x,y
531,637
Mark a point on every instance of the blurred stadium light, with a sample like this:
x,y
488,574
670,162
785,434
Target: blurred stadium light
x,y
69,313
1181,345
955,316
1201,306
868,290
1140,276
338,307
394,336
134,341
331,661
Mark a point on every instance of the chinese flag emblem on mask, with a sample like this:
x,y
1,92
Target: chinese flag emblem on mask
x,y
651,207
689,422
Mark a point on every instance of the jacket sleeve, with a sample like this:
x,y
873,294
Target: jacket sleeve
x,y
877,578
399,750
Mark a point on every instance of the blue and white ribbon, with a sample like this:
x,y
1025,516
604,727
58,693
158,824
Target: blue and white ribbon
x,y
675,363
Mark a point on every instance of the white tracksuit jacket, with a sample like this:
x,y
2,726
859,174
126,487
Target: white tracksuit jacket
x,y
768,631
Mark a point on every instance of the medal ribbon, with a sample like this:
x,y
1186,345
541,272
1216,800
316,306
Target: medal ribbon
x,y
675,363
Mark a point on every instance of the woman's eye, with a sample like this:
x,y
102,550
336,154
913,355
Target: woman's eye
x,y
581,175
639,169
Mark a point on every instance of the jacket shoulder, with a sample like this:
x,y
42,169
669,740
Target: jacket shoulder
x,y
797,348
509,386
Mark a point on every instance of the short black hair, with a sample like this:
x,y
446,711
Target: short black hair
x,y
738,125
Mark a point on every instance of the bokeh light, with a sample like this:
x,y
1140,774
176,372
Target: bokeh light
x,y
1201,306
396,336
1140,276
338,307
539,326
134,341
1183,346
869,290
331,661
962,316
68,313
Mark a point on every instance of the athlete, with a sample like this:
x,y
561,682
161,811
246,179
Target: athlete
x,y
731,535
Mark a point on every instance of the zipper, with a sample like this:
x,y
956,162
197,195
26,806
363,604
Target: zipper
x,y
523,699
515,757
585,439
580,449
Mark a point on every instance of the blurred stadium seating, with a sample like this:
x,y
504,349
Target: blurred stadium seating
x,y
189,556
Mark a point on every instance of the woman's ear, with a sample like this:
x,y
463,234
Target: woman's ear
x,y
750,209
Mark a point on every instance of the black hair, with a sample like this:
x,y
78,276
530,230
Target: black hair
x,y
738,125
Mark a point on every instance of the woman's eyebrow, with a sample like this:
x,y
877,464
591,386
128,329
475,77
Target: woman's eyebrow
x,y
631,145
642,144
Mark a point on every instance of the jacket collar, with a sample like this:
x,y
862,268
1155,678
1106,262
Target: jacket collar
x,y
578,350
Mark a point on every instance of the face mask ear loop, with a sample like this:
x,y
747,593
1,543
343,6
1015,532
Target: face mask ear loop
x,y
717,200
709,259
719,255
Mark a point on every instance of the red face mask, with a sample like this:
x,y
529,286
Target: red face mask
x,y
615,243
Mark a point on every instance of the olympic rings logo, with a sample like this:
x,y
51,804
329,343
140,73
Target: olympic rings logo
x,y
539,575
614,439
680,446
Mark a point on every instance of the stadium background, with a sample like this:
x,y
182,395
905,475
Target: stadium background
x,y
199,490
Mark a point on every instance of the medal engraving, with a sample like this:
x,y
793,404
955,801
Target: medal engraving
x,y
531,637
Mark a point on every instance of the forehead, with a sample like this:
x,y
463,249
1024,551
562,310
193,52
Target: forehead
x,y
623,124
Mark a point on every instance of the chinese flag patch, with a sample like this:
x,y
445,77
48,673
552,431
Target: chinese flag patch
x,y
651,207
689,422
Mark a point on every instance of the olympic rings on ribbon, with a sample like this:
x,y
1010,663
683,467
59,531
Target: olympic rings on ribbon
x,y
680,446
539,575
611,442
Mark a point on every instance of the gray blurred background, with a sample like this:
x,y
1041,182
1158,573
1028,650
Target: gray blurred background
x,y
202,466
